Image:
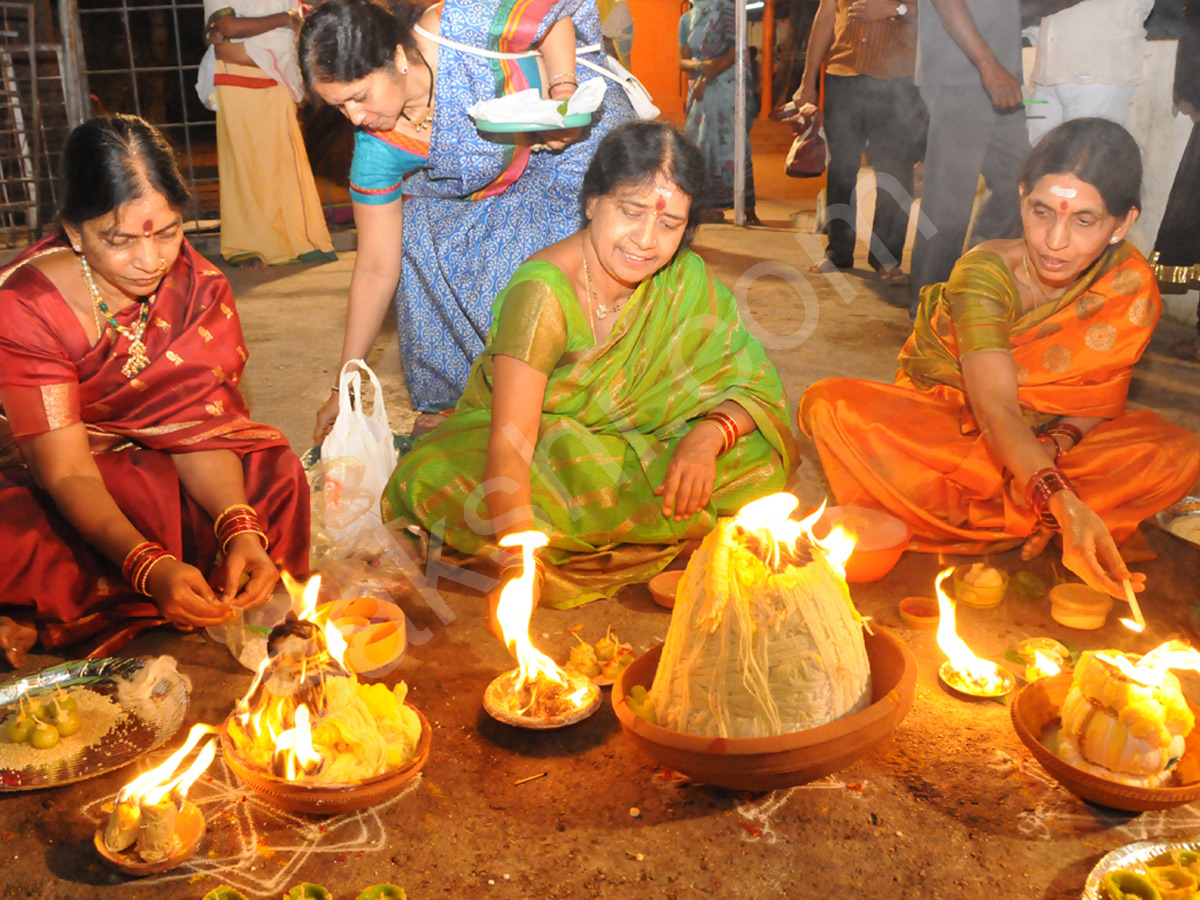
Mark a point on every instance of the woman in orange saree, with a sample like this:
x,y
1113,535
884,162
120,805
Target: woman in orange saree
x,y
1008,421
130,474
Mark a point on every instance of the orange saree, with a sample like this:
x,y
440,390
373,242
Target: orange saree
x,y
915,450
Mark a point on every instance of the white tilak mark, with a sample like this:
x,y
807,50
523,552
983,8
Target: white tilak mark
x,y
1057,191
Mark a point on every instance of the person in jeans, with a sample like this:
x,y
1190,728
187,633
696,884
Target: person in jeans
x,y
868,48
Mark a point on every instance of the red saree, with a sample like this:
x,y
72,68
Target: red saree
x,y
185,400
915,450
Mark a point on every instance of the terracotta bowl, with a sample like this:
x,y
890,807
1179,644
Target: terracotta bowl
x,y
1037,707
189,831
881,539
326,799
764,764
663,585
920,612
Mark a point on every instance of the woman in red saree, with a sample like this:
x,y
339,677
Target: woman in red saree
x,y
1007,421
123,436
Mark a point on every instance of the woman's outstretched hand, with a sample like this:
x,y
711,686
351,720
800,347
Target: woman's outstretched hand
x,y
326,416
1088,549
184,597
691,473
247,558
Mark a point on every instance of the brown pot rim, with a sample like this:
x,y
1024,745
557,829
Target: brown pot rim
x,y
880,708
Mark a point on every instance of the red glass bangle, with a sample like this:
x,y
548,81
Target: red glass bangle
x,y
728,427
1042,486
1049,440
134,558
1067,430
236,508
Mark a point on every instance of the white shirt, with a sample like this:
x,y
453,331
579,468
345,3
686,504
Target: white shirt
x,y
1093,42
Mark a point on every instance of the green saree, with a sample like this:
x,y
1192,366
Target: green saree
x,y
611,418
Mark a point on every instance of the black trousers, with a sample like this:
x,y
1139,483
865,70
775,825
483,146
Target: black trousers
x,y
886,117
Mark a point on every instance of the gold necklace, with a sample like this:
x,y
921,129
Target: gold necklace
x,y
600,311
426,120
138,358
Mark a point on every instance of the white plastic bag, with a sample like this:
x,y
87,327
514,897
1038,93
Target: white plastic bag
x,y
359,437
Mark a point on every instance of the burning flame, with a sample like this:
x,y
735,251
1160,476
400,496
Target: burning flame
x,y
158,782
1043,667
294,750
769,519
1152,668
982,675
304,600
513,613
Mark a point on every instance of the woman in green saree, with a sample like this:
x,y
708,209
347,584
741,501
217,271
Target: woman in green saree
x,y
620,405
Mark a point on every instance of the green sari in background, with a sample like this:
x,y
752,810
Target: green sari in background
x,y
611,419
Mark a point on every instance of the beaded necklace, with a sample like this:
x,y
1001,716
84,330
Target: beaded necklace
x,y
138,359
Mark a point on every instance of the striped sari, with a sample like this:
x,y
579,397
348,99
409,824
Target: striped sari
x,y
611,419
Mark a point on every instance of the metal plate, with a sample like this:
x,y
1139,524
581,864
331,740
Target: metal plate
x,y
147,723
1188,506
1131,856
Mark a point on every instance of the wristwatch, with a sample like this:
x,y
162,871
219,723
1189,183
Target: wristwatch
x,y
901,9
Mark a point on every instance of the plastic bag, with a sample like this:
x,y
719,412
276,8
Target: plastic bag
x,y
358,456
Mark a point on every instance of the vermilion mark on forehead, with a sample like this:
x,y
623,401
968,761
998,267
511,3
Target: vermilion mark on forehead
x,y
660,204
1063,206
148,226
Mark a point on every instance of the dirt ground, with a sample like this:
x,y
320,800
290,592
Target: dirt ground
x,y
950,806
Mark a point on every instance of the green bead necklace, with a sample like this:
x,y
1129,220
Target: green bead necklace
x,y
138,359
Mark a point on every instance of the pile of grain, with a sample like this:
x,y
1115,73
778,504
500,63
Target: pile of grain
x,y
97,716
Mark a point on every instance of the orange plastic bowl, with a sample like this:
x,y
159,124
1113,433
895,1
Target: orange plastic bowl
x,y
880,539
375,632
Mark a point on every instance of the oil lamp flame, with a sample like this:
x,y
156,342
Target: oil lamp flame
x,y
979,675
1043,667
535,670
159,779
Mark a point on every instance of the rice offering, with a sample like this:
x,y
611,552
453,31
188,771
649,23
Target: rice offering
x,y
763,641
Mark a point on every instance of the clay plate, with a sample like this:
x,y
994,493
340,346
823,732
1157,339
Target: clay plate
x,y
327,799
501,688
767,763
189,831
1035,708
952,680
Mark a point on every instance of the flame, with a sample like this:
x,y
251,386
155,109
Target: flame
x,y
156,783
769,519
1152,668
978,672
1043,667
294,749
513,613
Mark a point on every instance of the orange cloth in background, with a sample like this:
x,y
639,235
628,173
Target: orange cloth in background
x,y
915,450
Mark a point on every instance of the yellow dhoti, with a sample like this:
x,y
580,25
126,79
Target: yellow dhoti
x,y
269,202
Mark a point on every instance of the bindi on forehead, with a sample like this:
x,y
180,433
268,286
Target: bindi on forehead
x,y
660,204
148,227
1063,206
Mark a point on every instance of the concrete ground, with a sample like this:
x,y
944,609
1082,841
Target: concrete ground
x,y
950,806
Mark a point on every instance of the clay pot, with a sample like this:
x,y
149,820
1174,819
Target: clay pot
x,y
920,612
767,763
663,586
326,799
1036,708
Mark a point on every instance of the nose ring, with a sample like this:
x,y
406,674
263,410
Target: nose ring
x,y
162,265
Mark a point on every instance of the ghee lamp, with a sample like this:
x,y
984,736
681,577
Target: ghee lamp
x,y
964,672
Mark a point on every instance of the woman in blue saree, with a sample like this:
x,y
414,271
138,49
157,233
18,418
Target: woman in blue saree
x,y
707,55
445,214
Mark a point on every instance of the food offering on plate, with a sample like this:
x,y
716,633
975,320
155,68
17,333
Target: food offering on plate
x,y
1171,875
79,719
308,720
1042,657
979,585
1125,718
740,659
603,661
308,891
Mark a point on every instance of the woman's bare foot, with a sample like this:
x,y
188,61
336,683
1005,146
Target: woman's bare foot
x,y
251,263
891,274
1035,544
16,638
